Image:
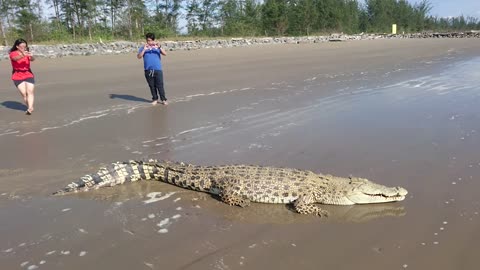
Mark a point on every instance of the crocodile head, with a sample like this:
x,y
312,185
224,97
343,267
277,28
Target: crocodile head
x,y
363,191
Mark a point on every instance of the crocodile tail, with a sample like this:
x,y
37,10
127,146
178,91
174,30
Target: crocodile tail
x,y
117,174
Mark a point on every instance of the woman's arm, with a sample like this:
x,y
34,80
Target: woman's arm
x,y
18,57
29,54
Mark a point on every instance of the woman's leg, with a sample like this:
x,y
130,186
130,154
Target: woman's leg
x,y
22,88
30,96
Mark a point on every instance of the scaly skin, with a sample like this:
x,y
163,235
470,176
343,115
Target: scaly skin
x,y
241,184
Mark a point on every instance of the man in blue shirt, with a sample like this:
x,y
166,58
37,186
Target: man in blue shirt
x,y
152,53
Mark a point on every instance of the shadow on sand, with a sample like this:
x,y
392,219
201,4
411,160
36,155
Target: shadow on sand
x,y
14,105
129,97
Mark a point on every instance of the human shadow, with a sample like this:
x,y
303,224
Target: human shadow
x,y
14,105
129,97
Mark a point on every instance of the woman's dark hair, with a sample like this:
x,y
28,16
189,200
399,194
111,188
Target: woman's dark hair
x,y
18,42
150,36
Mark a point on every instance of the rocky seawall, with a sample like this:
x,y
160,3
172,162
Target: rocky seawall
x,y
122,47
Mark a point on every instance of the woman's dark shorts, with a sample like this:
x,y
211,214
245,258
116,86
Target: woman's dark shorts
x,y
29,80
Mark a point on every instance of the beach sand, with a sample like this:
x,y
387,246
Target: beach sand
x,y
399,112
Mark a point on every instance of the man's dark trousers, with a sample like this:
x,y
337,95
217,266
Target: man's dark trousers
x,y
155,82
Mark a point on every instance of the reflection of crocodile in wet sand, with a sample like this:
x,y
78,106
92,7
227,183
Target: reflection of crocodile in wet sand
x,y
241,184
275,214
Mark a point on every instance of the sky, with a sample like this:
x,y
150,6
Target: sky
x,y
454,8
441,8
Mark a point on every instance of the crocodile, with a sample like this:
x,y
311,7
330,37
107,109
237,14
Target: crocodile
x,y
241,184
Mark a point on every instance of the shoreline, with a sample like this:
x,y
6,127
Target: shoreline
x,y
126,47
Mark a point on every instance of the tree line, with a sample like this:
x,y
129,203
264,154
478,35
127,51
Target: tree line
x,y
89,20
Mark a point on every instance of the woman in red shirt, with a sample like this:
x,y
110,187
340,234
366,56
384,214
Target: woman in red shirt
x,y
22,75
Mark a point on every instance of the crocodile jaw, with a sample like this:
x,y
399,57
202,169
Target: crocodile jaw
x,y
376,194
363,191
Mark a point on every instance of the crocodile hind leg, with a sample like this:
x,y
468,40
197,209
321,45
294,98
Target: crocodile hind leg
x,y
305,204
229,197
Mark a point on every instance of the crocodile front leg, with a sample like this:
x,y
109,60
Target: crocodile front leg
x,y
229,197
305,204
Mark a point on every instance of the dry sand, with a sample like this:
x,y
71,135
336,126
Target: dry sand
x,y
400,112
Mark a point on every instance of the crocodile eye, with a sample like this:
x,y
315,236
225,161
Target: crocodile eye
x,y
354,181
357,181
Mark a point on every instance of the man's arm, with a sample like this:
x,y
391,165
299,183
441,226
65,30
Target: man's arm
x,y
162,51
141,53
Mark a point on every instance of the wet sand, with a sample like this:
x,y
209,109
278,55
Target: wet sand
x,y
399,112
